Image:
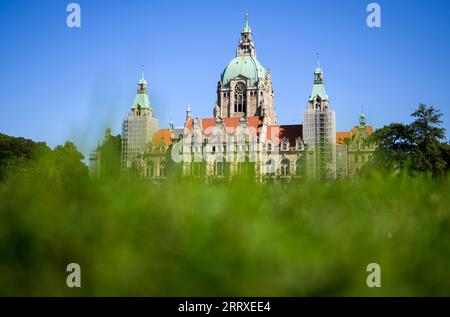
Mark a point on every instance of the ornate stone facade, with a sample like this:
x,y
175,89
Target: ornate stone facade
x,y
243,136
245,87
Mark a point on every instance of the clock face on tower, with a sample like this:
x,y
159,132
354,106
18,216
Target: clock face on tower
x,y
240,88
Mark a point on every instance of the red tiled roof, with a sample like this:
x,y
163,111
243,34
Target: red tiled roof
x,y
291,132
341,136
162,136
369,130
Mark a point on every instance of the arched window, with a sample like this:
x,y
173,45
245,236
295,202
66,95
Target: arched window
x,y
162,169
197,168
285,167
162,147
218,138
270,167
299,166
240,97
150,169
318,101
219,168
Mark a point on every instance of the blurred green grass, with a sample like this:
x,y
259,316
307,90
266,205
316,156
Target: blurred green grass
x,y
186,238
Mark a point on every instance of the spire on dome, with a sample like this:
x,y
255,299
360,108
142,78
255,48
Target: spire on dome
x,y
141,98
318,69
142,81
246,45
246,28
318,86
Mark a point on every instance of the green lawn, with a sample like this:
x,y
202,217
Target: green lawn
x,y
186,238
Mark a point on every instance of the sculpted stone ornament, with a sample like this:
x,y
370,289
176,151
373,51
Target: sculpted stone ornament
x,y
216,111
268,77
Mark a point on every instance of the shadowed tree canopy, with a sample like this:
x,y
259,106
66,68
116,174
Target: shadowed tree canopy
x,y
66,162
110,156
419,146
23,156
16,153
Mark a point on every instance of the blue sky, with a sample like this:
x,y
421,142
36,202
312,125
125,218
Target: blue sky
x,y
58,83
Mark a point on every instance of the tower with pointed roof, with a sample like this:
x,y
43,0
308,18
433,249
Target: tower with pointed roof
x,y
359,150
245,86
138,127
319,130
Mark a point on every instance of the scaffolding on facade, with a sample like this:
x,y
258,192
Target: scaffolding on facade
x,y
319,132
137,133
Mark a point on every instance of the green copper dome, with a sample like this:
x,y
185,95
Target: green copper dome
x,y
141,100
246,66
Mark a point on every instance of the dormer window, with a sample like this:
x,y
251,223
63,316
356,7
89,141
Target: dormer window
x,y
285,144
298,144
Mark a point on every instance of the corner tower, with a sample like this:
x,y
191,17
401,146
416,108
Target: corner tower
x,y
138,127
245,86
319,131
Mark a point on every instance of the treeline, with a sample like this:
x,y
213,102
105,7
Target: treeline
x,y
24,157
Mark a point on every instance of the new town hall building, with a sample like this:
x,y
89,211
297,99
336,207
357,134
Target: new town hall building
x,y
243,136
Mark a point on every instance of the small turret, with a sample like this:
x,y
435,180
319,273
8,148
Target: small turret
x,y
141,104
318,74
362,120
188,113
246,45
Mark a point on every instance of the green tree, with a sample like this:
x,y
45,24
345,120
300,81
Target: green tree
x,y
419,146
428,137
25,158
19,154
110,156
65,163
